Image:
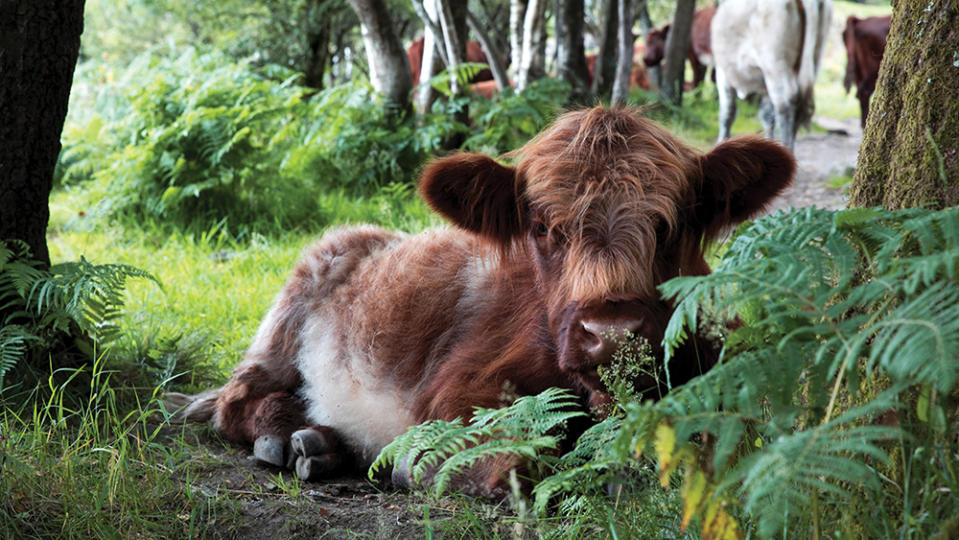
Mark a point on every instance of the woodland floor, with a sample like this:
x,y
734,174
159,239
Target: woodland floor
x,y
264,505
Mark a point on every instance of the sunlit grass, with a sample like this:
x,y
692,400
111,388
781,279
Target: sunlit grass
x,y
78,464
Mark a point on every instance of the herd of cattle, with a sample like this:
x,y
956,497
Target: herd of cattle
x,y
549,267
769,48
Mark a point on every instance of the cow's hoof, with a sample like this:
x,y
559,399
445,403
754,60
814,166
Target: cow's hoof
x,y
402,476
310,442
271,450
316,467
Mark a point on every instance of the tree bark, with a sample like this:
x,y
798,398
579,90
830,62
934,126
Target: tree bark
x,y
910,150
605,68
389,66
493,53
653,73
624,60
570,53
517,15
39,46
452,17
533,23
677,45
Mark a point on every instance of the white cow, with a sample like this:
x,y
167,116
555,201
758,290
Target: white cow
x,y
770,48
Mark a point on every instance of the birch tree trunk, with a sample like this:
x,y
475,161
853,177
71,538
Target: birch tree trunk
x,y
517,15
389,66
910,150
425,93
533,24
624,61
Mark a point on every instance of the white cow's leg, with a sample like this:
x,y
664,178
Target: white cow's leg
x,y
767,116
727,105
784,95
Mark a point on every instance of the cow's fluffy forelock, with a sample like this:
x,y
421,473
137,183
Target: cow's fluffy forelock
x,y
609,185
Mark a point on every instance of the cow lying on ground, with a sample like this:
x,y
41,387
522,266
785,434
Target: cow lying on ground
x,y
865,41
771,48
700,53
549,265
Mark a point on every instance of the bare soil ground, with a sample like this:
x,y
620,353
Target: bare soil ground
x,y
822,156
256,501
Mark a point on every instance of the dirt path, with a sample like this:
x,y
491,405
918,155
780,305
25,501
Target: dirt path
x,y
822,156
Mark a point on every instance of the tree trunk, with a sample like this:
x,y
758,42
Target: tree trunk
x,y
910,150
493,53
533,23
452,17
677,46
318,53
624,61
570,53
389,66
605,68
517,15
653,73
39,45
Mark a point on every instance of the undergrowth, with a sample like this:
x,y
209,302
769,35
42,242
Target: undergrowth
x,y
832,413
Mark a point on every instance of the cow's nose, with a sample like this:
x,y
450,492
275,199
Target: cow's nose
x,y
603,338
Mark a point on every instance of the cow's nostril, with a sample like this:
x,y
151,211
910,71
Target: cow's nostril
x,y
602,339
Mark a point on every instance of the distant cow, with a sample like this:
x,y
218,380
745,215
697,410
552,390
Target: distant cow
x,y
549,266
865,41
700,51
474,53
637,77
771,48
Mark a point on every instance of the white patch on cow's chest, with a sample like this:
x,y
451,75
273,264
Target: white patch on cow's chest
x,y
342,392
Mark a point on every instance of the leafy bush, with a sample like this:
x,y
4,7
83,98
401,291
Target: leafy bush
x,y
834,409
350,140
198,140
511,119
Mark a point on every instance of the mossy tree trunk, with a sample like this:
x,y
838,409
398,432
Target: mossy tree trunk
x,y
910,150
39,45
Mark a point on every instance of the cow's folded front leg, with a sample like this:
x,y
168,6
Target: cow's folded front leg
x,y
275,418
316,451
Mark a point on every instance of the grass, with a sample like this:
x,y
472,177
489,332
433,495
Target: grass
x,y
92,470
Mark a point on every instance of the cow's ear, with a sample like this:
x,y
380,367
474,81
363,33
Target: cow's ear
x,y
740,177
476,193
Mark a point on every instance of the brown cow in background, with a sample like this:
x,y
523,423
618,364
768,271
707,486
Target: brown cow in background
x,y
865,41
637,77
474,53
700,51
549,267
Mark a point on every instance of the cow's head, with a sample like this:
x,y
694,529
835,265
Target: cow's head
x,y
655,46
608,206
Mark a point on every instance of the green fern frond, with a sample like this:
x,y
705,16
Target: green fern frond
x,y
524,429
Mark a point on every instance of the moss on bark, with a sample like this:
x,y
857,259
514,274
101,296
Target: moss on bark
x,y
910,151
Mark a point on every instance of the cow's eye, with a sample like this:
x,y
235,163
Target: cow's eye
x,y
540,229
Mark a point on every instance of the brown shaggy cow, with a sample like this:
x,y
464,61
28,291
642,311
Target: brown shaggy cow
x,y
865,41
549,264
700,51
